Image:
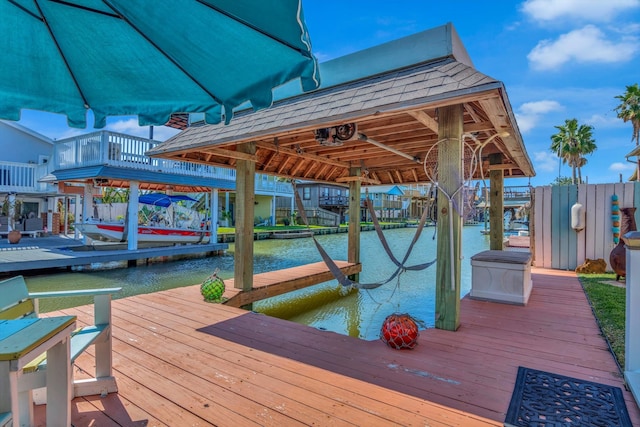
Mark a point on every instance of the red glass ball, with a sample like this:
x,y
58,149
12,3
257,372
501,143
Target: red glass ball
x,y
399,331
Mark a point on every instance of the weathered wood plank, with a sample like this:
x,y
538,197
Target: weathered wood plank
x,y
496,209
449,178
177,357
278,282
245,198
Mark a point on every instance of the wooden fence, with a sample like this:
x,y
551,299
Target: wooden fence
x,y
555,244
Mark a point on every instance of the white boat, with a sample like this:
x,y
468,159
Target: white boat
x,y
114,231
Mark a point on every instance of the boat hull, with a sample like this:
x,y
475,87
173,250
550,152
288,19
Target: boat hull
x,y
115,233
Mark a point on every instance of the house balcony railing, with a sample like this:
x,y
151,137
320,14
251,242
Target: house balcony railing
x,y
268,185
23,178
115,149
332,201
126,151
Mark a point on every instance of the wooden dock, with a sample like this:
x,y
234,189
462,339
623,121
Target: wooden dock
x,y
278,282
54,253
181,361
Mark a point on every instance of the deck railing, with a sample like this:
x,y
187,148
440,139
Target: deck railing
x,y
23,177
119,150
114,149
269,184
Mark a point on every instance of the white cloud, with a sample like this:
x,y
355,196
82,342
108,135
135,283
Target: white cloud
x,y
529,113
605,121
592,10
588,44
622,167
131,127
540,107
545,161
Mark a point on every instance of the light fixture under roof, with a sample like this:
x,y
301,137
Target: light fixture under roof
x,y
336,136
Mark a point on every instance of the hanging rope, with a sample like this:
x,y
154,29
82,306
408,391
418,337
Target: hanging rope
x,y
335,270
383,240
471,160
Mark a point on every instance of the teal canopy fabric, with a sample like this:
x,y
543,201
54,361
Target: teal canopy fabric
x,y
149,58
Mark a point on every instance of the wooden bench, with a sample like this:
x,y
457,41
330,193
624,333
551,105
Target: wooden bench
x,y
16,303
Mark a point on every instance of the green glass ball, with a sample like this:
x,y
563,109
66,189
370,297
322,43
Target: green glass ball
x,y
212,288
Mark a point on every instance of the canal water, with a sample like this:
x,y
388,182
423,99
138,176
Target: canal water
x,y
327,306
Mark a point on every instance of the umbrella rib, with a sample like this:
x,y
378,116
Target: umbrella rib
x,y
64,58
19,6
88,9
173,61
255,28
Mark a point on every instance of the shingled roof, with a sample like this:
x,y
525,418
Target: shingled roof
x,y
395,108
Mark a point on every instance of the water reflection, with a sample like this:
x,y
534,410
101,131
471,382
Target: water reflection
x,y
327,306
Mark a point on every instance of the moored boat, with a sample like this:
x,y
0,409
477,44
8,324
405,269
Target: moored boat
x,y
158,225
114,232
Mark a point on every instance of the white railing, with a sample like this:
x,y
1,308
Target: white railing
x,y
115,149
23,177
266,184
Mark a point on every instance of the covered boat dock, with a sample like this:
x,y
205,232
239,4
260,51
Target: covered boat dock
x,y
374,120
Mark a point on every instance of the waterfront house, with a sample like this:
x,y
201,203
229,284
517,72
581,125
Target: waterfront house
x,y
20,173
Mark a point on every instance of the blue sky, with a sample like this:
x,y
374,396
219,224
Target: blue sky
x,y
559,59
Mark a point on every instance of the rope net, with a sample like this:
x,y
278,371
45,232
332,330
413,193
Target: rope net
x,y
399,331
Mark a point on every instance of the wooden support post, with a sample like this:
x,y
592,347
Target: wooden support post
x,y
245,197
449,227
496,204
354,221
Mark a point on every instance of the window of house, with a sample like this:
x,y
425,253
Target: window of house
x,y
306,193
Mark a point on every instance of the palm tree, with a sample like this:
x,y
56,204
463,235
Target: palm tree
x,y
629,111
572,143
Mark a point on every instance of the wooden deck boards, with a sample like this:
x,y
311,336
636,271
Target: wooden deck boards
x,y
181,361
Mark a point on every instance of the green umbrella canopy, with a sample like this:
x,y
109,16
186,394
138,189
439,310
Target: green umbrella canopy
x,y
149,58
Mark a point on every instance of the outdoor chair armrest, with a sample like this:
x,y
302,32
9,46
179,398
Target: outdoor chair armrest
x,y
101,300
75,293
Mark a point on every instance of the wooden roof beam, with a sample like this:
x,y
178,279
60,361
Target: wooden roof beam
x,y
231,154
283,165
320,171
362,179
425,119
302,154
297,166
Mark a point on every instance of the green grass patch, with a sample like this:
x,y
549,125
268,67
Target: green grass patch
x,y
608,303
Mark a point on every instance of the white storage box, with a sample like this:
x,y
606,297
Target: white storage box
x,y
501,276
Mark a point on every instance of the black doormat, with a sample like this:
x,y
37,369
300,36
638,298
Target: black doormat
x,y
545,399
